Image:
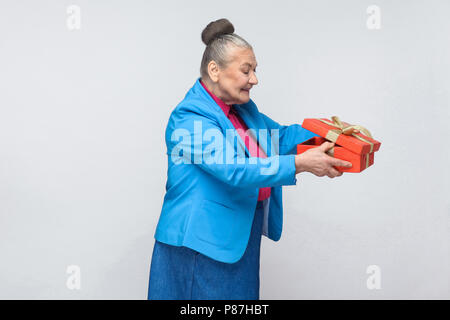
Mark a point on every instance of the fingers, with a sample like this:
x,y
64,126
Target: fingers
x,y
326,145
340,163
333,173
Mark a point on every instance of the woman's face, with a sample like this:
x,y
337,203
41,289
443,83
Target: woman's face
x,y
233,83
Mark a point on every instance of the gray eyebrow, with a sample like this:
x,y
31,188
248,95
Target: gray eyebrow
x,y
246,63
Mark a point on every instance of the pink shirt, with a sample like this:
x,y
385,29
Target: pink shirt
x,y
238,123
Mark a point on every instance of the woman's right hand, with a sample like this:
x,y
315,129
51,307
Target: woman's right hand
x,y
316,161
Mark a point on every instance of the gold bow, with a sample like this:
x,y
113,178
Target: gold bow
x,y
348,130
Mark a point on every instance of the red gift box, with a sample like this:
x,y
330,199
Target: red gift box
x,y
359,161
357,148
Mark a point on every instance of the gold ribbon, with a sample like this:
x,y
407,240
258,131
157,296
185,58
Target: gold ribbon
x,y
348,130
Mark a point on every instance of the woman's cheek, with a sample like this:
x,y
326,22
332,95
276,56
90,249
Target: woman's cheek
x,y
243,81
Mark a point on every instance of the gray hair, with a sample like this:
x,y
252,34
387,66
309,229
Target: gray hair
x,y
218,44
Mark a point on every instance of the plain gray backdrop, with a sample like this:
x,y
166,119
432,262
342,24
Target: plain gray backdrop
x,y
83,159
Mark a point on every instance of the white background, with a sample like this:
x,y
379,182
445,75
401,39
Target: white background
x,y
83,159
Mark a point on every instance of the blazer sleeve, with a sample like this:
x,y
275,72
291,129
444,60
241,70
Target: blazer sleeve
x,y
195,139
289,135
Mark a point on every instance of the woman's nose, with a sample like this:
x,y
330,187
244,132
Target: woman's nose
x,y
253,79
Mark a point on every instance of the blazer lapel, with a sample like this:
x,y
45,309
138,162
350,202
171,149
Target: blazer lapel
x,y
251,120
252,123
226,123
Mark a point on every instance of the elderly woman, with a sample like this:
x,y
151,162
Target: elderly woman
x,y
221,197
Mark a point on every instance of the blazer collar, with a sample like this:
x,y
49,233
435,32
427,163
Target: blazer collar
x,y
249,118
225,107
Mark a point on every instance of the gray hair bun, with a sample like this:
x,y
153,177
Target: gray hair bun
x,y
215,29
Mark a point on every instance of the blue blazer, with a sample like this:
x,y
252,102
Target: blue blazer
x,y
213,183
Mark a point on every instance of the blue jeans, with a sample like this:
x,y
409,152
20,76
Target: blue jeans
x,y
180,273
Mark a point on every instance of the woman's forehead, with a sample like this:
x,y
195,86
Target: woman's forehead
x,y
244,57
250,65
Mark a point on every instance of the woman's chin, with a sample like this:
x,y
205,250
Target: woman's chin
x,y
244,97
243,101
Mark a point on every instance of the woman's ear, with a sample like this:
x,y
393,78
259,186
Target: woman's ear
x,y
213,71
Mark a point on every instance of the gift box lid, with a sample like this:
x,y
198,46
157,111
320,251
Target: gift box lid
x,y
333,131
